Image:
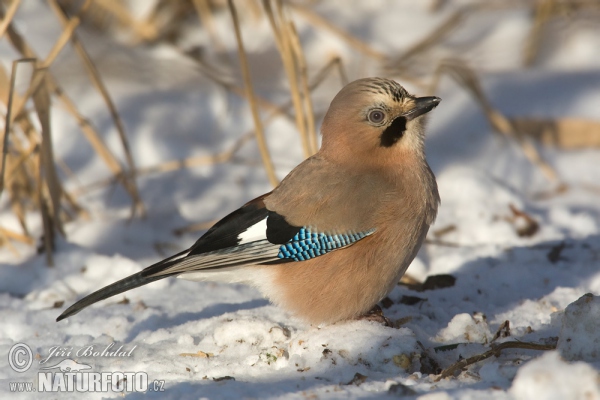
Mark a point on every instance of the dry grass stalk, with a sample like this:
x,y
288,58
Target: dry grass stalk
x,y
49,187
69,26
564,133
399,65
195,227
308,106
544,10
144,31
8,16
465,76
260,135
4,240
20,44
226,155
214,76
199,161
19,172
9,117
7,233
99,84
317,20
41,101
282,34
334,62
206,18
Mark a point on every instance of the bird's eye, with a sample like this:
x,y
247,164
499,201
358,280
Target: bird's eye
x,y
376,116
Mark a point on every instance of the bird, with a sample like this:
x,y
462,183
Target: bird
x,y
339,231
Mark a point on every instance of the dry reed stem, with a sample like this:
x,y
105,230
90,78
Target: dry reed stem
x,y
322,74
211,74
199,161
93,137
69,26
175,165
291,67
467,78
58,46
9,118
399,64
309,115
206,18
317,20
16,236
228,154
48,236
195,227
49,178
281,33
260,135
8,16
146,32
24,155
5,240
99,84
23,167
543,11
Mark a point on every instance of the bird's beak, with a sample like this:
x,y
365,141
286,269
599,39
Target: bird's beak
x,y
422,106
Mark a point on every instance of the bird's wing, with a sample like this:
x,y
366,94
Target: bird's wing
x,y
251,235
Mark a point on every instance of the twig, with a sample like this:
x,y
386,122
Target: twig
x,y
495,351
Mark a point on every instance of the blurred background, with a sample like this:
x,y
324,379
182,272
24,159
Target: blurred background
x,y
164,115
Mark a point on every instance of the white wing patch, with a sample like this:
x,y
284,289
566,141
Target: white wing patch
x,y
254,233
250,253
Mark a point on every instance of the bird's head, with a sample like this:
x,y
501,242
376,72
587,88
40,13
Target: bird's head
x,y
375,120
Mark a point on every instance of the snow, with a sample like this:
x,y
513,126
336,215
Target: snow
x,y
192,334
549,377
580,332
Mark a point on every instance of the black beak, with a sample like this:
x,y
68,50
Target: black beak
x,y
422,106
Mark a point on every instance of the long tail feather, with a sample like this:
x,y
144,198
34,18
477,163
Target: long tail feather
x,y
131,282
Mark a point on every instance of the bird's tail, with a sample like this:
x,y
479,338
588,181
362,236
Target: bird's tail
x,y
131,282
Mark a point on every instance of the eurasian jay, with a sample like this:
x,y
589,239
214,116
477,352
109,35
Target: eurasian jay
x,y
340,230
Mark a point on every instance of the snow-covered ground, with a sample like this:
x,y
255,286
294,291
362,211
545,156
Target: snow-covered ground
x,y
193,336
